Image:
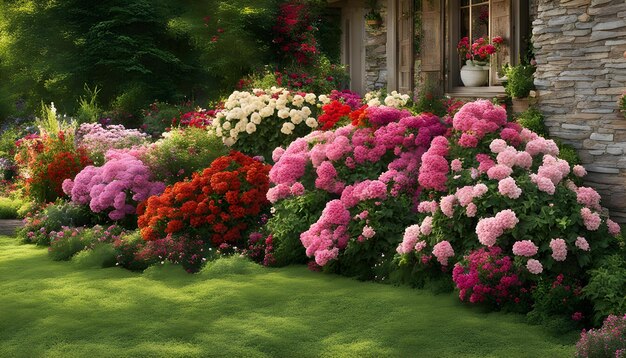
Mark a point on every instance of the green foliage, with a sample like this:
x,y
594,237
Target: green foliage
x,y
125,249
159,117
9,208
100,255
568,153
289,312
232,265
519,81
88,109
183,152
607,287
533,120
292,217
622,104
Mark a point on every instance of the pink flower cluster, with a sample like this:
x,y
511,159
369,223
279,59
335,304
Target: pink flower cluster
x,y
534,266
525,248
329,234
508,187
588,197
489,229
443,251
582,243
412,234
476,119
118,186
98,140
434,170
487,276
591,220
559,249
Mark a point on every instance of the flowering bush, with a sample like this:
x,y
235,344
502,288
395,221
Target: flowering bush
x,y
491,183
295,33
177,249
46,161
366,175
220,204
39,225
480,50
257,122
97,140
199,118
68,241
486,275
607,341
116,187
181,152
393,99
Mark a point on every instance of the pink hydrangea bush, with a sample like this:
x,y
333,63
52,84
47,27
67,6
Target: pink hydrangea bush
x,y
97,140
368,175
116,187
493,184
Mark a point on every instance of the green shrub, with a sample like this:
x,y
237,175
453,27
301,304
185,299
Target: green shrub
x,y
533,120
519,80
88,109
159,117
101,255
183,152
292,217
9,208
607,287
568,153
233,265
126,248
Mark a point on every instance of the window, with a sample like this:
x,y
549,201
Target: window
x,y
486,19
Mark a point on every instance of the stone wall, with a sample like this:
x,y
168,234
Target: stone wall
x,y
581,73
376,53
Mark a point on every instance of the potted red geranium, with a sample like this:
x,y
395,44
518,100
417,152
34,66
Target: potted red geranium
x,y
475,72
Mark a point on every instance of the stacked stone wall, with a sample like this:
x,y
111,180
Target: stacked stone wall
x,y
376,53
581,74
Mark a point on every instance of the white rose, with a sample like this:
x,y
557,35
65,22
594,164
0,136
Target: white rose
x,y
306,111
310,98
255,118
390,101
296,118
283,113
228,141
234,133
324,99
266,112
218,131
311,122
287,128
250,128
373,102
298,100
226,125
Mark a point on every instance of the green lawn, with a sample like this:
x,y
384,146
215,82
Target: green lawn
x,y
58,309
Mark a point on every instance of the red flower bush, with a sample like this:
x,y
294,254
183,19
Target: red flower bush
x,y
219,204
333,113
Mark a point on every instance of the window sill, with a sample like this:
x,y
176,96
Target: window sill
x,y
477,92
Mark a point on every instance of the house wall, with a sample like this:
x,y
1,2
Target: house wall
x,y
581,73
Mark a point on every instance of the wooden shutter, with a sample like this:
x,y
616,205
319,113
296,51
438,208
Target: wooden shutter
x,y
405,46
432,44
501,25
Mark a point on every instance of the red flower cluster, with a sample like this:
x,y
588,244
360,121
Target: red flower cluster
x,y
359,116
198,119
65,165
480,50
295,33
220,203
332,113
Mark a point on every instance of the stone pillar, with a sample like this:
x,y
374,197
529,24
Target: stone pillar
x,y
376,53
581,74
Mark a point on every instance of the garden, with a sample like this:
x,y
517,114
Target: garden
x,y
201,200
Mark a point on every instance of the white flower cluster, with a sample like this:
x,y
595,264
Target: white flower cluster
x,y
244,111
393,99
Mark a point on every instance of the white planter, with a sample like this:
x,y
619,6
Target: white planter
x,y
474,76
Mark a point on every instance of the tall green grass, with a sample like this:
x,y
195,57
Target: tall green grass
x,y
9,208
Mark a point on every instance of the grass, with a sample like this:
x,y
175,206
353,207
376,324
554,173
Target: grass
x,y
234,308
9,208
